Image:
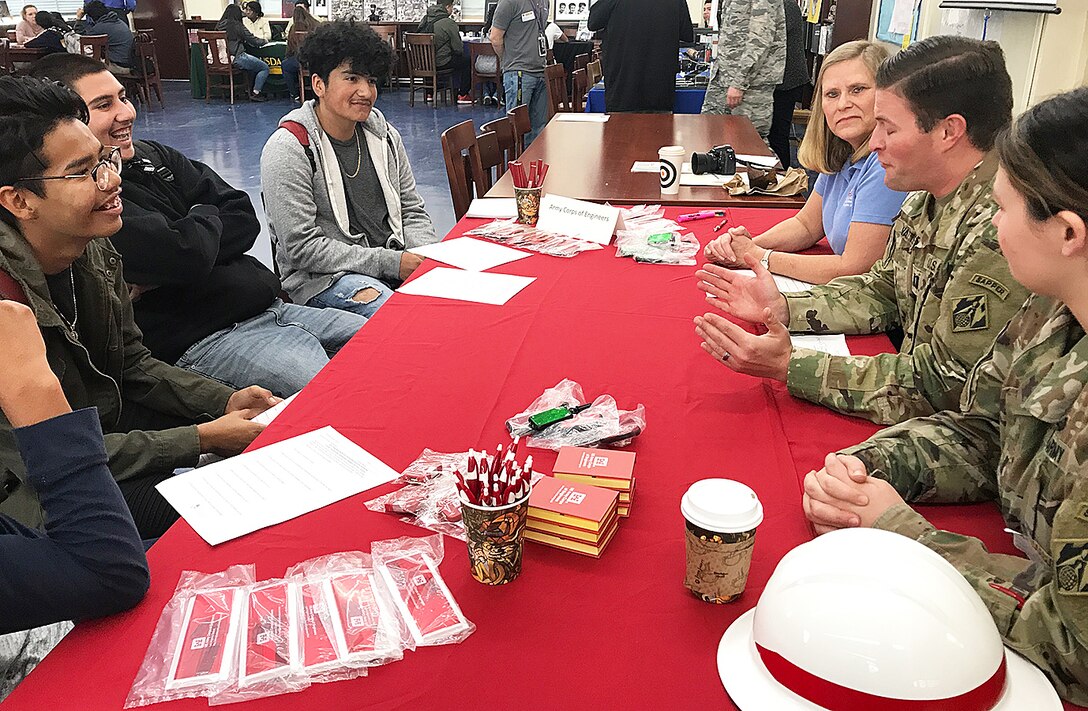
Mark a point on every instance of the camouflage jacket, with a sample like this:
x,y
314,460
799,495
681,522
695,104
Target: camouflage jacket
x,y
1020,436
942,280
751,44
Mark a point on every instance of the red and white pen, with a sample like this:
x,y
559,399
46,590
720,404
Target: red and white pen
x,y
701,215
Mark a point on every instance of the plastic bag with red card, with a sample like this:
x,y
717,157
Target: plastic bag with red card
x,y
602,424
409,568
515,234
193,651
432,504
269,654
351,622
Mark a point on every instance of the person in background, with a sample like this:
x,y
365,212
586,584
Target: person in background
x,y
641,51
449,52
60,194
942,282
1020,433
255,21
850,205
123,8
750,63
339,191
51,40
554,33
708,14
301,23
517,34
291,22
95,18
199,299
89,560
794,82
27,28
238,40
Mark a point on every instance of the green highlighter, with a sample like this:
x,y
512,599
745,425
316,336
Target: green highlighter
x,y
547,418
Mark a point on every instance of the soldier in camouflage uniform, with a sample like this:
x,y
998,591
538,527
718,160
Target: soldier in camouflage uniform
x,y
751,61
1020,434
942,280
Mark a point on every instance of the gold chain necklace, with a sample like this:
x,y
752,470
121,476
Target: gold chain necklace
x,y
359,150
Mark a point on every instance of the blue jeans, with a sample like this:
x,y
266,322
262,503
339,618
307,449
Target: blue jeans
x,y
291,71
523,88
255,66
282,348
340,295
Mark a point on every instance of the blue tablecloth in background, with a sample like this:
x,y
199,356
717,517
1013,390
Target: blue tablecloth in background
x,y
688,101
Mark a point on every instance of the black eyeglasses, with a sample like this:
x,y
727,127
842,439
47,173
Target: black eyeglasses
x,y
101,177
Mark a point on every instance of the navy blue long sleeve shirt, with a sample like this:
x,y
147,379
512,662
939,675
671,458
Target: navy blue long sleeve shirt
x,y
89,561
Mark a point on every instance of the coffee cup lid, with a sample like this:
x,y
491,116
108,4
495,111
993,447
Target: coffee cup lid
x,y
722,505
671,149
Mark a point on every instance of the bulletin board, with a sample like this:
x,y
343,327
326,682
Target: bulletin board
x,y
884,19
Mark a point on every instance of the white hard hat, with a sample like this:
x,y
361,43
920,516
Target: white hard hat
x,y
867,620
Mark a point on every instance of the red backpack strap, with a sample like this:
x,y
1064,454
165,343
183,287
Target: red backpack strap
x,y
10,289
300,133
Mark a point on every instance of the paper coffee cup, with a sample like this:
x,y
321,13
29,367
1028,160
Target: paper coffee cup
x,y
721,517
672,158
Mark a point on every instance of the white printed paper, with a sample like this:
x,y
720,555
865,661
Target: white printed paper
x,y
835,344
480,287
578,218
273,484
582,118
902,14
471,254
758,161
786,285
646,166
493,208
266,417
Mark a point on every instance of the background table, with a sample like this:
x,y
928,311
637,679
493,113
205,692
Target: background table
x,y
271,52
689,100
592,161
571,632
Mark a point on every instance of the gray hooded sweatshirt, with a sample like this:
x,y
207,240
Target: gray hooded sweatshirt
x,y
308,210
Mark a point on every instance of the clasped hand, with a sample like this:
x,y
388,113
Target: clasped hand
x,y
731,248
843,495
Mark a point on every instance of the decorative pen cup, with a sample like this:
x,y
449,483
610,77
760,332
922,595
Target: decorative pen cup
x,y
494,540
528,202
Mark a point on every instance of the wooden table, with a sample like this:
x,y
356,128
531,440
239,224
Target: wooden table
x,y
19,53
592,161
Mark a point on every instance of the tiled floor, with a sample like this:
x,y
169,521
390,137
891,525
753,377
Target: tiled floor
x,y
230,138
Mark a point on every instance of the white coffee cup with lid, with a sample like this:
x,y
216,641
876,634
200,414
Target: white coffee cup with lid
x,y
672,159
721,517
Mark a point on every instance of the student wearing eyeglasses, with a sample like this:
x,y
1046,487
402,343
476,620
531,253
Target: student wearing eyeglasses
x,y
60,198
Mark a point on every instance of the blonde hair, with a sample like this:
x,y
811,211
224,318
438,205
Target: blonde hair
x,y
821,150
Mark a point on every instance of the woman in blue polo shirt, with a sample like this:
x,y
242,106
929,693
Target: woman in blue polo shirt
x,y
849,205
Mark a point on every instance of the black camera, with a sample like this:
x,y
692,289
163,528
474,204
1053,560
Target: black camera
x,y
719,160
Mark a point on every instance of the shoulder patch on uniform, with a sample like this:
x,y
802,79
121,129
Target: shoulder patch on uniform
x,y
1054,449
1071,566
970,313
987,282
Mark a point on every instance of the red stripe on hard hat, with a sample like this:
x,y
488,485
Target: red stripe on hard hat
x,y
832,696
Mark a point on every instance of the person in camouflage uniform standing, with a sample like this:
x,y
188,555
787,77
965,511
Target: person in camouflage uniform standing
x,y
943,281
1020,434
751,61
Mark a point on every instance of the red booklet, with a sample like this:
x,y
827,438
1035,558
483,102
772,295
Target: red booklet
x,y
205,647
571,503
319,649
271,629
591,549
611,469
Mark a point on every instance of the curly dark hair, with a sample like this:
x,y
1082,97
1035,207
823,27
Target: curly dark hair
x,y
334,43
29,111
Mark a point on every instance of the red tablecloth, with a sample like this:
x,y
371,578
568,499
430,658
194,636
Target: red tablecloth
x,y
571,632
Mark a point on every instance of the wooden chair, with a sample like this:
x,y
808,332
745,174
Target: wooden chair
x,y
594,73
556,77
218,62
578,91
491,161
147,66
303,73
519,116
581,61
421,65
95,46
503,128
484,49
389,34
13,36
463,166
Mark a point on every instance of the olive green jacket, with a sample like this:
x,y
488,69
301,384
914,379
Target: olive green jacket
x,y
1020,437
106,366
942,280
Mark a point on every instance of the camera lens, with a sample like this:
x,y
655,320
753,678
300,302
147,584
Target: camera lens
x,y
702,163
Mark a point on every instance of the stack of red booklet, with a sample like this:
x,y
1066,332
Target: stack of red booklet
x,y
610,469
572,516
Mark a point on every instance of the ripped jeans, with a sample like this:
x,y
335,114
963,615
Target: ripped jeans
x,y
349,293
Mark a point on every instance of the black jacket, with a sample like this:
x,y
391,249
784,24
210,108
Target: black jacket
x,y
239,39
185,236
